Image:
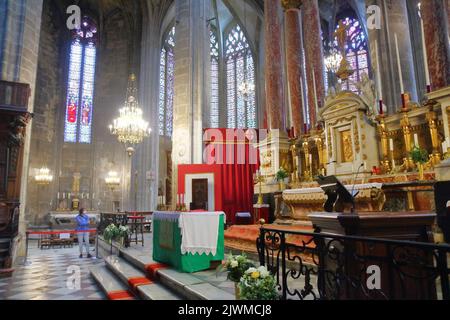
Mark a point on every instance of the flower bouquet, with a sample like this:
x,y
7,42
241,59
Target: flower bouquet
x,y
111,232
258,284
235,267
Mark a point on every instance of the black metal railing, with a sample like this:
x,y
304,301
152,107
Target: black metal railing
x,y
318,266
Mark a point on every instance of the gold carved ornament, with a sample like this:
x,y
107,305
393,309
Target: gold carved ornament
x,y
291,4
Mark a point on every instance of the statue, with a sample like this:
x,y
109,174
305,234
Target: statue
x,y
367,89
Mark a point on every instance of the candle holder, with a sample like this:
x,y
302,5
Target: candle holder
x,y
408,163
384,144
259,179
320,150
293,149
431,116
308,172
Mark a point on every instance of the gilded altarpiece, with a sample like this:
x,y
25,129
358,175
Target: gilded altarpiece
x,y
350,136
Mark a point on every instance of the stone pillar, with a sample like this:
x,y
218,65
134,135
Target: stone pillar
x,y
274,70
294,61
192,58
146,158
20,24
436,22
314,57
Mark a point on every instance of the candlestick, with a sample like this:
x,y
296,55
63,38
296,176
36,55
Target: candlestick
x,y
400,74
316,104
425,57
58,196
416,140
64,195
380,92
391,144
87,196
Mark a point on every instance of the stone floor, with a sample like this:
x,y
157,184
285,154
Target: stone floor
x,y
48,275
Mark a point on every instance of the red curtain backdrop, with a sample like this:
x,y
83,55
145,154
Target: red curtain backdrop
x,y
238,165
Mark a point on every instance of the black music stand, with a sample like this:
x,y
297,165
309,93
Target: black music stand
x,y
338,195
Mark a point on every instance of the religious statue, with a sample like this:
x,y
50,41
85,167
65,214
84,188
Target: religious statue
x,y
86,113
72,111
367,89
345,70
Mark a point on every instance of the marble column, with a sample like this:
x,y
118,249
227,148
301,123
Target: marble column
x,y
20,25
314,58
435,21
274,68
294,61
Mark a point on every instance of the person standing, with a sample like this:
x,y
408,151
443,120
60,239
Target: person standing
x,y
83,237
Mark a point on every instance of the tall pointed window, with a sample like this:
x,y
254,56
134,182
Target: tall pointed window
x,y
166,85
241,110
80,85
214,50
357,52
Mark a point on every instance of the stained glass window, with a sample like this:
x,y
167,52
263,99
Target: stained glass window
x,y
80,84
166,85
214,50
241,111
357,52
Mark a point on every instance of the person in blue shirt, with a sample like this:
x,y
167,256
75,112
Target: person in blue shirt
x,y
83,237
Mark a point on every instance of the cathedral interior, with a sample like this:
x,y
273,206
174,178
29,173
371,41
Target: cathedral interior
x,y
290,118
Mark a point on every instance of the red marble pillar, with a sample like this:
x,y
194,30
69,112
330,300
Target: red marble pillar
x,y
314,57
436,37
294,54
273,63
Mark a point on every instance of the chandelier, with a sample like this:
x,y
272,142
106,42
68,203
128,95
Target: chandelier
x,y
130,127
333,60
246,89
43,176
112,180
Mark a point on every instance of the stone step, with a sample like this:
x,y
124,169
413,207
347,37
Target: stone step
x,y
137,280
186,285
113,288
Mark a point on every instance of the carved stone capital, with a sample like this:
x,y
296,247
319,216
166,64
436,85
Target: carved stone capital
x,y
291,4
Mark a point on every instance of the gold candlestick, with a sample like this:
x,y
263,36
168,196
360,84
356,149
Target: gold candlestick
x,y
408,163
307,172
320,149
293,149
384,144
435,157
259,179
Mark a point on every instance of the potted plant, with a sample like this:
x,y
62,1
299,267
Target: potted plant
x,y
420,157
258,284
236,267
123,234
281,176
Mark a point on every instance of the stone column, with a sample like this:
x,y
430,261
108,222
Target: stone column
x,y
434,14
274,69
146,159
20,24
314,57
294,61
192,58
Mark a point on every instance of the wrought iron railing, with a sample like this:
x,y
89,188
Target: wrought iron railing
x,y
318,266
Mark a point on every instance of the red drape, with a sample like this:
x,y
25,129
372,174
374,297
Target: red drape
x,y
240,163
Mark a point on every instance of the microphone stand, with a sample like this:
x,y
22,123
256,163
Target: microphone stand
x,y
353,211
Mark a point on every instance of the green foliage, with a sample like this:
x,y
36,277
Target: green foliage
x,y
235,266
419,155
258,284
282,174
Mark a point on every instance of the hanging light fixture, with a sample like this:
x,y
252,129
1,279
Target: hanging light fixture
x,y
246,88
333,59
130,127
43,176
112,180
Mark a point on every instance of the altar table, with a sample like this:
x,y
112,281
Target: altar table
x,y
168,246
